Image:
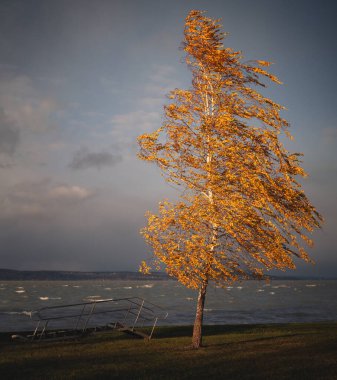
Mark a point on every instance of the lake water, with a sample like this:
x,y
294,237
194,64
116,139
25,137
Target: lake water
x,y
242,303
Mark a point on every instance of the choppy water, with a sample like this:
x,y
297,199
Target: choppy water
x,y
245,302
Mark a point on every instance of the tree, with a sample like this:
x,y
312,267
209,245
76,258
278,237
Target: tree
x,y
242,210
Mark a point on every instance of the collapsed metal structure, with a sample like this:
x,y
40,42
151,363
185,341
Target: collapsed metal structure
x,y
132,315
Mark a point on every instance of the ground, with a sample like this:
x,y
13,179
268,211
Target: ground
x,y
275,351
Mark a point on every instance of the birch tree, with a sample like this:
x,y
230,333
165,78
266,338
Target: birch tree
x,y
241,211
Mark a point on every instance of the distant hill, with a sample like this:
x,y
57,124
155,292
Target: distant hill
x,y
44,275
47,275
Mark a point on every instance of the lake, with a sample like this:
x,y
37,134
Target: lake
x,y
246,302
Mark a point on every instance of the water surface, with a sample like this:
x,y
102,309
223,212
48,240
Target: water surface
x,y
242,303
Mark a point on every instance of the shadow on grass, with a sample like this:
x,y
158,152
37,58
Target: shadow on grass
x,y
166,332
208,330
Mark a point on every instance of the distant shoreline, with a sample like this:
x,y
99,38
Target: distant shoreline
x,y
53,275
46,275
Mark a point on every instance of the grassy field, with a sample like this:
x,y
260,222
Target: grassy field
x,y
289,351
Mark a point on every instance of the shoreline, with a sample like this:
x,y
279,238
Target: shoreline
x,y
209,327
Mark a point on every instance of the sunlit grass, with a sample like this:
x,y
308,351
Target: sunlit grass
x,y
289,351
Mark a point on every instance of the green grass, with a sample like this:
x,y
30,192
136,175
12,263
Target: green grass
x,y
288,351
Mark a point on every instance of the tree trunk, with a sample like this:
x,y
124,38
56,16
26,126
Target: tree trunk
x,y
197,329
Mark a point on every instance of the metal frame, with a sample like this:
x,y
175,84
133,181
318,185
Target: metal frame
x,y
124,314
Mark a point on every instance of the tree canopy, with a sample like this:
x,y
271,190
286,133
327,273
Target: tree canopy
x,y
242,210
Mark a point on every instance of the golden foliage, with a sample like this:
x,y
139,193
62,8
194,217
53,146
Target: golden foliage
x,y
242,210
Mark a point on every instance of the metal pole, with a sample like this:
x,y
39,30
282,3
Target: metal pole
x,y
36,328
126,314
155,322
44,329
89,316
140,309
80,317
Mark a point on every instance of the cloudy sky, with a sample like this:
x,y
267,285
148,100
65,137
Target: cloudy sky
x,y
80,79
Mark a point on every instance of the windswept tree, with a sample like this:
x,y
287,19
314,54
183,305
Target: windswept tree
x,y
242,210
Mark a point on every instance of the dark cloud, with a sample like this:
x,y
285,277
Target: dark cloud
x,y
84,159
9,134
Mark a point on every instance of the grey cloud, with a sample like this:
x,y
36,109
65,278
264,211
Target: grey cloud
x,y
26,104
5,165
100,234
84,159
41,199
9,134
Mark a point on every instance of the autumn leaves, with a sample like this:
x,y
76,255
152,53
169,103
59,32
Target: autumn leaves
x,y
242,210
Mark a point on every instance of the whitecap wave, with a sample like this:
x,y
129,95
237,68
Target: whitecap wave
x,y
24,312
96,299
145,286
280,286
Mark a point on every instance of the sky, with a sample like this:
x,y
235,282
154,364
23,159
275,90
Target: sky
x,y
80,80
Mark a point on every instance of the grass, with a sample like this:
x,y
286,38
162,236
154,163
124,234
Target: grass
x,y
275,351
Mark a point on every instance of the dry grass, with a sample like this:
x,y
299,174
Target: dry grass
x,y
289,351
